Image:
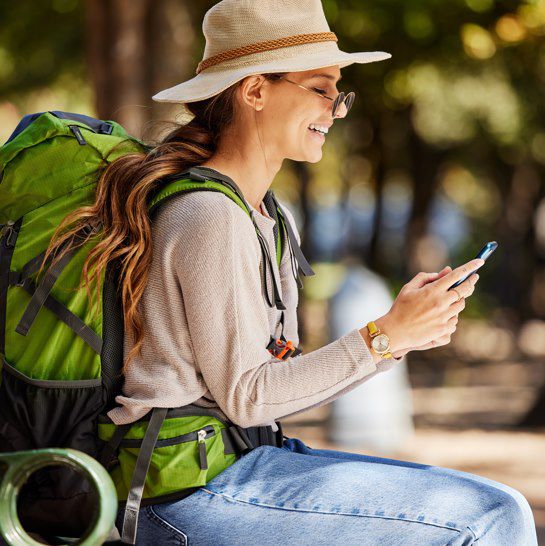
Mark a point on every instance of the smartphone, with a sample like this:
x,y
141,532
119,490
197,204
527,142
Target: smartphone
x,y
484,253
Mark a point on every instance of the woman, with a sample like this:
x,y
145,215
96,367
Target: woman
x,y
197,324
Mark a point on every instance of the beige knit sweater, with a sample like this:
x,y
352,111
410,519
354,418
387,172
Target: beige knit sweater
x,y
207,323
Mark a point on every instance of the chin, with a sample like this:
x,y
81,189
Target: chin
x,y
308,157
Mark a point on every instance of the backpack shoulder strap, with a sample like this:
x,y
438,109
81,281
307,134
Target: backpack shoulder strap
x,y
192,180
285,227
278,229
203,179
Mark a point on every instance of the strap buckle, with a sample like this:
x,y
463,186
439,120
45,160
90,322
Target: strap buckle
x,y
282,348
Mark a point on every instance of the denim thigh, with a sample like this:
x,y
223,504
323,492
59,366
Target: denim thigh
x,y
297,495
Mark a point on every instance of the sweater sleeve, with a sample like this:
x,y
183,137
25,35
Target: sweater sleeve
x,y
218,266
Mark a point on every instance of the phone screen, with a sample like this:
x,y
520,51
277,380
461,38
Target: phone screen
x,y
484,253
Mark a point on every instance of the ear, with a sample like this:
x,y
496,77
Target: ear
x,y
251,92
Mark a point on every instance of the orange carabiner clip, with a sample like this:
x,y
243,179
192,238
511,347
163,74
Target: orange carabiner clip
x,y
280,348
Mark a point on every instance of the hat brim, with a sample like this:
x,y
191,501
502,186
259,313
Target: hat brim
x,y
210,82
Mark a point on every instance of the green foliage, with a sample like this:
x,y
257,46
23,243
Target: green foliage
x,y
458,111
38,41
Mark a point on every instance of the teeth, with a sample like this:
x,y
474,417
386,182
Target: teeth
x,y
320,128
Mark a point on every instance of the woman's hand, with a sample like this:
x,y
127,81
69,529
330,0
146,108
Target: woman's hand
x,y
436,342
425,312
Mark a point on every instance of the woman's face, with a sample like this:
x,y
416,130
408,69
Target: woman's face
x,y
288,111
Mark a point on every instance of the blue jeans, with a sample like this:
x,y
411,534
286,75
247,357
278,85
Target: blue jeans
x,y
297,495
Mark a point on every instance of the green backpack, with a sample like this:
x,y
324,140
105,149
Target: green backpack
x,y
61,368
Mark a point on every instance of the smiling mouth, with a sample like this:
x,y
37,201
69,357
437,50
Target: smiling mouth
x,y
322,129
317,134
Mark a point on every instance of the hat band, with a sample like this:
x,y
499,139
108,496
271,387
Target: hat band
x,y
268,45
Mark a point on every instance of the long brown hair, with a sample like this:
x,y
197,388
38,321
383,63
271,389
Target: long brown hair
x,y
120,211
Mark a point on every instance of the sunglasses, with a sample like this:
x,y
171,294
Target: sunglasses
x,y
340,98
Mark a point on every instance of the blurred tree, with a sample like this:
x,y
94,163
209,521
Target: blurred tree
x,y
129,50
458,110
467,78
39,41
147,48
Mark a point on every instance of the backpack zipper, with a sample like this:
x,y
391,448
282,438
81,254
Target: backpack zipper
x,y
77,133
8,234
206,432
201,434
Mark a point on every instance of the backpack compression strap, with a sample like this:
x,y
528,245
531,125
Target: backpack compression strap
x,y
41,297
130,519
7,247
42,291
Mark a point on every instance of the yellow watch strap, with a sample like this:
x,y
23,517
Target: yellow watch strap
x,y
373,329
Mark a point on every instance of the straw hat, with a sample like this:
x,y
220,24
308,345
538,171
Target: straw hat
x,y
247,37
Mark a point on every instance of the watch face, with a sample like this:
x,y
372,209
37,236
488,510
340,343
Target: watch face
x,y
381,343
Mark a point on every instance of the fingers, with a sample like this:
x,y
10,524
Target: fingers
x,y
444,283
421,279
401,354
447,269
443,340
457,307
451,325
440,341
431,312
464,290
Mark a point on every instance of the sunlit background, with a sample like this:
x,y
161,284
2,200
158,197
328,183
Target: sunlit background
x,y
443,150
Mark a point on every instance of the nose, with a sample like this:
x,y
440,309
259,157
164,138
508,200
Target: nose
x,y
341,111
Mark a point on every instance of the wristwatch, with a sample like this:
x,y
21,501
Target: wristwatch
x,y
380,342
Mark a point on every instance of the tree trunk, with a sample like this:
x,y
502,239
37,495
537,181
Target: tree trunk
x,y
426,162
373,258
134,49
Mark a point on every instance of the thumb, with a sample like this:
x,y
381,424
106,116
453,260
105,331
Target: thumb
x,y
421,279
444,271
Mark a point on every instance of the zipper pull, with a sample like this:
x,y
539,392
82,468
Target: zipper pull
x,y
8,233
77,133
201,435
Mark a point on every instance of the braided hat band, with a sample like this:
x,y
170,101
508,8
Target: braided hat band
x,y
251,37
267,45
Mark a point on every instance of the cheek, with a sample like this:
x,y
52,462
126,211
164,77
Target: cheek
x,y
280,109
288,122
287,126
